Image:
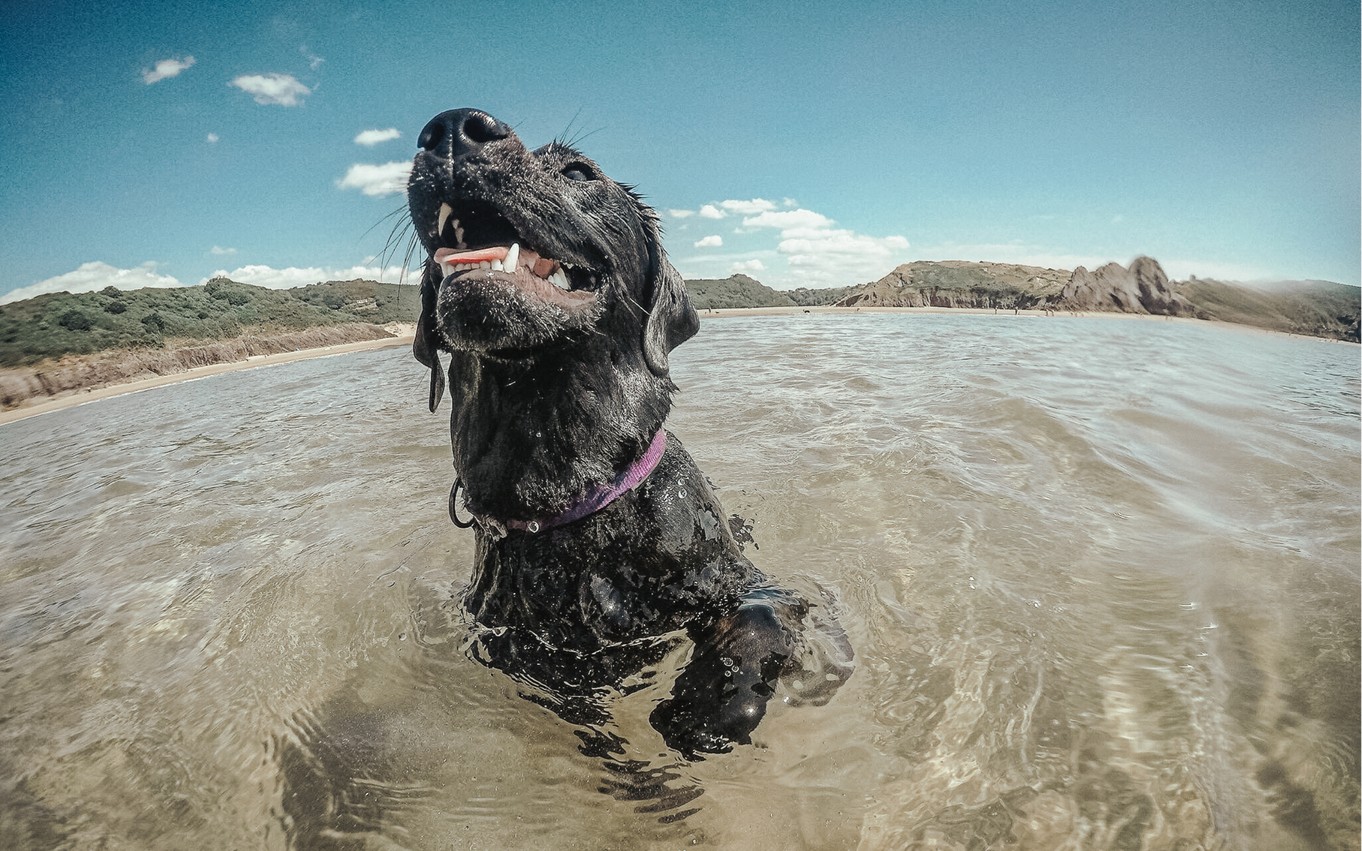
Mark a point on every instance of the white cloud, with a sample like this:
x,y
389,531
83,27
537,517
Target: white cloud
x,y
219,251
678,214
96,275
165,69
276,89
819,254
296,276
212,138
750,207
377,180
369,138
786,220
712,241
313,60
746,266
747,208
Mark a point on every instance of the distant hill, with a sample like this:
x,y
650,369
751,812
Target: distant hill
x,y
734,291
1316,308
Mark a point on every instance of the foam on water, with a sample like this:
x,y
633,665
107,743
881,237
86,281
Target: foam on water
x,y
1102,578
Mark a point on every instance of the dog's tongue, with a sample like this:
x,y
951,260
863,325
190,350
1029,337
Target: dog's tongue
x,y
475,255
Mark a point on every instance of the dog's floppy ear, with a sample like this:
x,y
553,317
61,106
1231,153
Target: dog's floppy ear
x,y
426,347
671,319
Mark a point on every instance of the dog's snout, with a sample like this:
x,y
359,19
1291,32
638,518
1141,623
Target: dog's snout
x,y
460,132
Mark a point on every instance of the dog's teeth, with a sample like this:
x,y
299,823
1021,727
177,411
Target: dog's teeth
x,y
559,279
512,258
496,266
445,211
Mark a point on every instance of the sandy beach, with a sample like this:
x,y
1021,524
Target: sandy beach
x,y
405,336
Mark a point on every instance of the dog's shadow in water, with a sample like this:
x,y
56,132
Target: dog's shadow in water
x,y
379,750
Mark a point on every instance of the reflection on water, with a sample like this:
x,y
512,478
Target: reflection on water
x,y
1101,576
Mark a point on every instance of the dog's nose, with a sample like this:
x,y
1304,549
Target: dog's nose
x,y
459,132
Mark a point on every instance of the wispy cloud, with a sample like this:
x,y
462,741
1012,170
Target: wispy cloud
x,y
747,266
678,214
212,138
377,180
272,89
165,69
92,276
711,241
369,138
709,211
219,251
1021,253
313,60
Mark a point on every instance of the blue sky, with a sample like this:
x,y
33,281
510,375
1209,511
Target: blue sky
x,y
806,144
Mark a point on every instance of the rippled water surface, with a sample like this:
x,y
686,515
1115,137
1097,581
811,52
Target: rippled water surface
x,y
1102,577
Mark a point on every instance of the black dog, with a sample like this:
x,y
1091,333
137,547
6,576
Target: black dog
x,y
597,535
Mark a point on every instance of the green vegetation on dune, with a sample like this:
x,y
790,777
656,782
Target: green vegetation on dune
x,y
741,291
734,291
50,326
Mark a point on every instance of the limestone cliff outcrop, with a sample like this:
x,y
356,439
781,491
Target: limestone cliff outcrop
x,y
1142,288
958,283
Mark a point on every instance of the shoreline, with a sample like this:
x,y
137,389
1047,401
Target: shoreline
x,y
77,398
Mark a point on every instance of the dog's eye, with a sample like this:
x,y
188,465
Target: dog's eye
x,y
579,171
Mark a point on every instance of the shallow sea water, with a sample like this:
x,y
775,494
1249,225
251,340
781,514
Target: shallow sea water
x,y
1102,578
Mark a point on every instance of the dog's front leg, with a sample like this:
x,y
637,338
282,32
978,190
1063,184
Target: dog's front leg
x,y
721,696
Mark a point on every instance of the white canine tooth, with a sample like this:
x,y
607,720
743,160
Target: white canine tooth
x,y
559,280
445,211
512,258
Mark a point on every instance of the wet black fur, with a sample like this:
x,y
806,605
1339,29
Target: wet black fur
x,y
548,401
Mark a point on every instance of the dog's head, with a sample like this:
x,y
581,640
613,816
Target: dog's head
x,y
532,251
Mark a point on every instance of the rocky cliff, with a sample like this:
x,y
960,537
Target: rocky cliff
x,y
1142,288
960,283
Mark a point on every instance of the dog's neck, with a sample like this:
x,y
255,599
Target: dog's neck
x,y
532,437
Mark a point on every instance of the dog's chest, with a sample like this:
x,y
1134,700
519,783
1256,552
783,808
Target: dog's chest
x,y
643,567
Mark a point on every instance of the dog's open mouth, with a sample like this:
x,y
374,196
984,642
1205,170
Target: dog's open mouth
x,y
479,245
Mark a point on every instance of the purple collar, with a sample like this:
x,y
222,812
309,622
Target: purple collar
x,y
598,497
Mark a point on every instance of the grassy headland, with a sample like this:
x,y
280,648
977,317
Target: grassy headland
x,y
65,342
